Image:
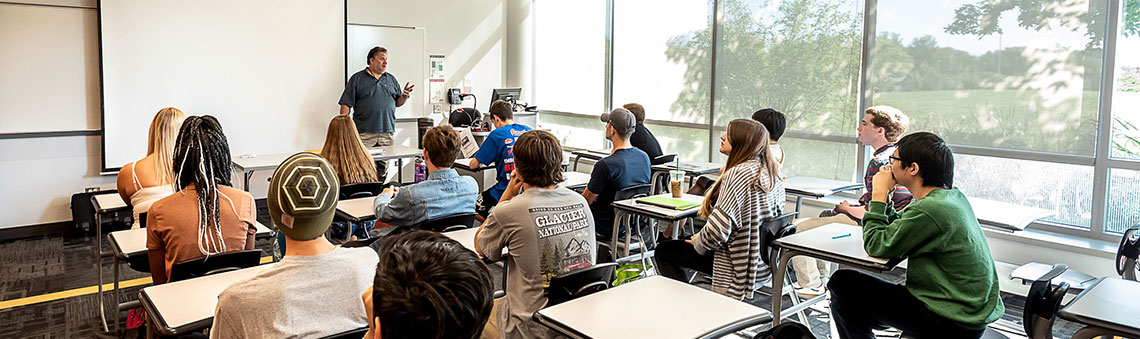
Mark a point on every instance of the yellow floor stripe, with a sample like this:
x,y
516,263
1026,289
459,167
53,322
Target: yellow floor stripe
x,y
81,291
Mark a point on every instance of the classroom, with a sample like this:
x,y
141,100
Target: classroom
x,y
569,169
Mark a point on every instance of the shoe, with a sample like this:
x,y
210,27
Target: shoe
x,y
811,292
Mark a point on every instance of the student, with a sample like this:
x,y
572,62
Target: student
x,y
428,286
749,191
775,122
951,286
880,129
444,193
143,182
353,165
626,166
314,291
206,216
548,231
642,138
497,149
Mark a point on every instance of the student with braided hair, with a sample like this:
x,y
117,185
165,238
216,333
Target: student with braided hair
x,y
206,216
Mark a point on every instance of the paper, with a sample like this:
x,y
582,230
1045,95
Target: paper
x,y
468,145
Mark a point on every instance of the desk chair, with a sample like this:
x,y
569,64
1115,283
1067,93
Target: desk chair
x,y
449,223
140,263
361,190
663,159
580,284
631,192
355,333
1126,256
1041,306
218,263
770,230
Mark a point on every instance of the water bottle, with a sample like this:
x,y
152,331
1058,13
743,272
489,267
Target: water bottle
x,y
421,170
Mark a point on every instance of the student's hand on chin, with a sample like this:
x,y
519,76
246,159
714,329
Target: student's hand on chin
x,y
843,207
883,181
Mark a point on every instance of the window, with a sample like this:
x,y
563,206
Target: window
x,y
690,144
574,131
570,64
1123,210
1063,188
1005,74
661,58
1126,93
799,57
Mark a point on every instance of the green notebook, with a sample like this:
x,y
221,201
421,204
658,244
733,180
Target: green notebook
x,y
668,202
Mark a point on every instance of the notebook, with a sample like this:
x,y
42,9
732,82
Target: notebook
x,y
667,202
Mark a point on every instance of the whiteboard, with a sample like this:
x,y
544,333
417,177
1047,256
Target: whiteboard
x,y
407,60
271,71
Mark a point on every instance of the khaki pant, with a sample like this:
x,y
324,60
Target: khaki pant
x,y
373,140
809,270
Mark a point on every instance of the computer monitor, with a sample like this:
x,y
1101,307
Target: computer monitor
x,y
510,95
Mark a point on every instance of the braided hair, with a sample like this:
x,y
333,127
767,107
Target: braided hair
x,y
202,159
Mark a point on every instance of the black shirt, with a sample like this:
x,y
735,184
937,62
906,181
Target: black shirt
x,y
626,167
644,140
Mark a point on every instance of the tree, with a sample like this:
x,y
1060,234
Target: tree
x,y
982,18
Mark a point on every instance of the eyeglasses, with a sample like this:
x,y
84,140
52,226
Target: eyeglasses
x,y
893,158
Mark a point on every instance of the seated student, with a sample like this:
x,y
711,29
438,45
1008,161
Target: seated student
x,y
775,122
548,231
143,182
496,148
444,193
425,280
625,166
315,290
880,129
749,191
951,286
353,165
642,138
207,216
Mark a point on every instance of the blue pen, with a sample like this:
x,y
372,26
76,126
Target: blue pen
x,y
841,236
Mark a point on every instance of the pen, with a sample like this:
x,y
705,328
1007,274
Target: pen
x,y
841,236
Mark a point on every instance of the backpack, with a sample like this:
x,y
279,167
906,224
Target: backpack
x,y
787,330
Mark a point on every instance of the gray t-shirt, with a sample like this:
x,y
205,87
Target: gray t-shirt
x,y
548,233
373,101
299,297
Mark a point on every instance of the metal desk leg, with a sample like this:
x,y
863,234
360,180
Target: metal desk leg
x,y
247,175
799,203
400,171
781,260
614,237
576,158
99,267
653,183
115,301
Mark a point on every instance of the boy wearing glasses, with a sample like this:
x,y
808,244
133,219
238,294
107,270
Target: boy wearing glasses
x,y
951,288
880,128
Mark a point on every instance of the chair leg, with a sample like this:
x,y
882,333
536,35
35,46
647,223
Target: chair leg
x,y
791,292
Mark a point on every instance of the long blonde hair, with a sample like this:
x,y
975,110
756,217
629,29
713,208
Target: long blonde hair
x,y
160,142
749,141
346,153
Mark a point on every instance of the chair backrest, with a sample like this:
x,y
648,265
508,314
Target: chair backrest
x,y
631,192
1042,303
218,263
142,220
361,190
355,333
701,185
663,159
360,243
1127,253
581,283
446,224
772,229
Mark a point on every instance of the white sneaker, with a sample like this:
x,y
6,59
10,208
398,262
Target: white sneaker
x,y
811,292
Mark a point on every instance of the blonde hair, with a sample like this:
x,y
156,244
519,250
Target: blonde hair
x,y
160,142
346,153
749,140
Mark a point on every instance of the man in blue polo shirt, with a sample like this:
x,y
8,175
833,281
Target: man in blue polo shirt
x,y
373,95
497,148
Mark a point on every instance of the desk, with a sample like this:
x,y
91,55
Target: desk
x,y
819,243
465,237
816,188
131,243
485,175
247,165
607,314
588,154
1108,307
660,173
188,305
631,206
104,204
575,180
356,210
1006,216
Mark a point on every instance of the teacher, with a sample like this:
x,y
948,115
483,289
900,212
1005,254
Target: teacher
x,y
373,94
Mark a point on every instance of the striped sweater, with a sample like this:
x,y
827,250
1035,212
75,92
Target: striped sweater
x,y
733,230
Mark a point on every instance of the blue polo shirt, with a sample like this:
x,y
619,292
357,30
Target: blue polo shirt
x,y
373,101
498,148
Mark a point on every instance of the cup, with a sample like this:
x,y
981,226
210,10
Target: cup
x,y
675,180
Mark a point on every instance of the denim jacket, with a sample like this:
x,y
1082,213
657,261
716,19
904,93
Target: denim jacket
x,y
444,193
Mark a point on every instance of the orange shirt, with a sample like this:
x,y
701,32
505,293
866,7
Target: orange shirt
x,y
172,223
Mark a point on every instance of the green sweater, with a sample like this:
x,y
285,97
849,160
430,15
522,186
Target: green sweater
x,y
950,270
